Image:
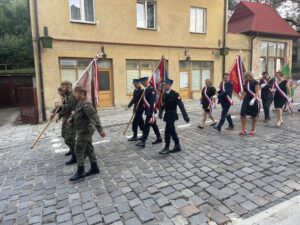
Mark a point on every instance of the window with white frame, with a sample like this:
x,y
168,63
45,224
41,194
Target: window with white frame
x,y
146,14
82,11
197,20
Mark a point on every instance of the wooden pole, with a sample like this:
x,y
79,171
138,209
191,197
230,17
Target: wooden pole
x,y
44,129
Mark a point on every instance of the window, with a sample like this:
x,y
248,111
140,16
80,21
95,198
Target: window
x,y
137,69
199,72
197,20
146,14
272,57
82,11
72,69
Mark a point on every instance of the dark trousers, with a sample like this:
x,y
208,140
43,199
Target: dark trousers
x,y
225,115
170,131
147,129
266,105
137,122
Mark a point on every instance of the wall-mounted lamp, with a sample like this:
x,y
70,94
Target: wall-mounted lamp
x,y
46,39
102,53
187,57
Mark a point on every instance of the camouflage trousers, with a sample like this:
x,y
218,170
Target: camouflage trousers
x,y
84,148
68,133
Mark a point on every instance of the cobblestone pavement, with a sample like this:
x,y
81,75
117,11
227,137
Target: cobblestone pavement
x,y
217,176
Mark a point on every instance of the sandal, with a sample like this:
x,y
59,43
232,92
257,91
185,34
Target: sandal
x,y
252,132
243,132
201,127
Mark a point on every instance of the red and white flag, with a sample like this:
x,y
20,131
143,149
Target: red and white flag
x,y
89,81
236,75
157,79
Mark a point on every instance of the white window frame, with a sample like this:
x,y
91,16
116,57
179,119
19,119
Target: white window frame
x,y
82,13
204,20
145,3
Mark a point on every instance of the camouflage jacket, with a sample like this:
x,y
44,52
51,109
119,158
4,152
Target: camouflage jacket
x,y
68,106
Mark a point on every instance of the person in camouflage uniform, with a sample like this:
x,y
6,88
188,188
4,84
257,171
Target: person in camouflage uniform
x,y
68,132
86,120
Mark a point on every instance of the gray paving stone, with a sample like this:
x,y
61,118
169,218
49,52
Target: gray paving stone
x,y
95,219
110,218
133,221
198,219
143,214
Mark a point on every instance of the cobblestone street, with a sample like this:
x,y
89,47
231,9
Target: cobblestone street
x,y
217,176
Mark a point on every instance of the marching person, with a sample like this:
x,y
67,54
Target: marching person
x,y
207,101
137,110
68,131
224,98
282,96
170,101
61,93
149,104
266,84
86,120
250,105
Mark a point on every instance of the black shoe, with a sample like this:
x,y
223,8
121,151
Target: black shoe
x,y
213,124
157,141
200,127
141,144
93,170
230,128
217,128
78,175
165,151
72,160
133,139
140,138
68,153
177,148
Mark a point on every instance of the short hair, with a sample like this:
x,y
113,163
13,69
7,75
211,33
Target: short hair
x,y
279,73
209,81
60,88
66,82
80,90
226,74
265,73
249,74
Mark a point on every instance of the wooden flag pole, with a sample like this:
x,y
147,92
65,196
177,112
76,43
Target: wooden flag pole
x,y
44,129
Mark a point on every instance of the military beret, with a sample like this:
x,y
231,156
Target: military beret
x,y
80,89
143,79
66,83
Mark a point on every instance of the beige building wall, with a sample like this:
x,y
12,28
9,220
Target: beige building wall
x,y
116,30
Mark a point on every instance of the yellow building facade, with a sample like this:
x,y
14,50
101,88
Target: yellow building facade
x,y
135,34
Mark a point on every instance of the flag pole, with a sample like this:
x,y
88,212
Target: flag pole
x,y
142,96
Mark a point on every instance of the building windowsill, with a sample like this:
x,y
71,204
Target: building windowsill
x,y
83,22
205,33
144,28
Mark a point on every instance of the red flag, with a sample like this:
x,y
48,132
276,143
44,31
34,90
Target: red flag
x,y
157,80
89,81
237,75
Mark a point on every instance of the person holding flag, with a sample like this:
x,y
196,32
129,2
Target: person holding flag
x,y
250,105
207,101
170,101
149,99
282,96
138,109
266,84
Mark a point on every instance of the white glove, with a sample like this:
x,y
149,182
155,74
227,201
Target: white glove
x,y
273,90
252,102
263,85
290,99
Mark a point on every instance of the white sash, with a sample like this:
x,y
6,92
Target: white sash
x,y
277,87
227,97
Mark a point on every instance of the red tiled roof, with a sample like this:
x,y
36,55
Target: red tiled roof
x,y
250,17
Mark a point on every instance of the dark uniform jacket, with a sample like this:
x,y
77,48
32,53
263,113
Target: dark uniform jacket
x,y
137,94
266,93
149,100
170,101
86,120
68,106
223,95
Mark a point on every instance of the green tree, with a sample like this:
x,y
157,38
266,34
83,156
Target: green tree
x,y
15,34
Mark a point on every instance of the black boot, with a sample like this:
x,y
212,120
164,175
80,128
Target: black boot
x,y
141,144
68,153
176,148
165,151
79,174
157,141
93,170
72,160
133,138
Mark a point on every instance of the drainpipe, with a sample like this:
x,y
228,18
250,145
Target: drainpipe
x,y
40,70
224,36
251,50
